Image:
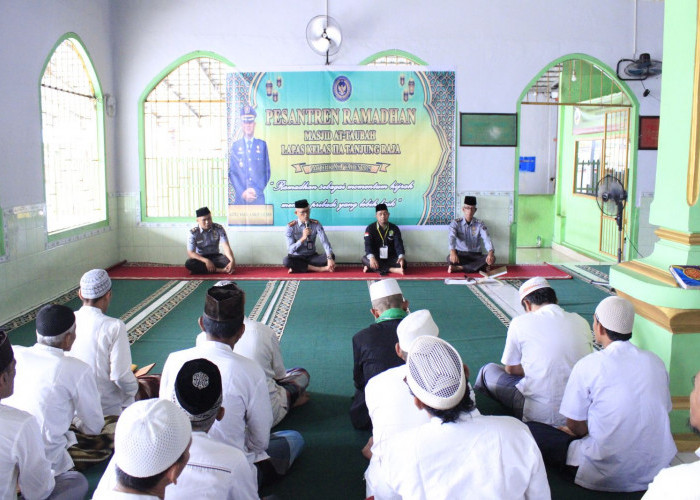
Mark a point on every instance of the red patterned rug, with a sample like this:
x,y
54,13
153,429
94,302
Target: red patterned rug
x,y
433,271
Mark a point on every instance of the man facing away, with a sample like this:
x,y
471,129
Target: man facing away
x,y
248,418
373,348
301,243
215,470
57,389
101,342
681,482
151,448
23,462
542,346
384,252
249,163
204,245
458,453
616,403
466,236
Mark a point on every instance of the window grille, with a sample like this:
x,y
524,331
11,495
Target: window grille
x,y
393,58
184,137
73,145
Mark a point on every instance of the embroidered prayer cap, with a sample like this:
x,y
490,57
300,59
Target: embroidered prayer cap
x,y
470,200
6,352
53,320
248,114
415,325
301,204
531,285
150,436
380,207
384,288
95,283
435,373
198,389
201,212
224,303
616,314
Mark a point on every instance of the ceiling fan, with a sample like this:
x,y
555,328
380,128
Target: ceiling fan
x,y
324,35
638,69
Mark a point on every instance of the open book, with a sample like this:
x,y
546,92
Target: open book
x,y
494,272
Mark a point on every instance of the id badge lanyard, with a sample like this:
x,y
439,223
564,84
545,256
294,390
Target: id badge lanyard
x,y
384,249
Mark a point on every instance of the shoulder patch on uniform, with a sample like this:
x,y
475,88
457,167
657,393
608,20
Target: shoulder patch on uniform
x,y
314,221
216,226
194,229
292,222
457,220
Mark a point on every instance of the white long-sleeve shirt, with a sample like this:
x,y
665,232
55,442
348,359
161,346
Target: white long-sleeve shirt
x,y
22,457
102,343
55,389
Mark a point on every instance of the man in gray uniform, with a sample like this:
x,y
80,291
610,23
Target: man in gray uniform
x,y
203,247
465,239
301,243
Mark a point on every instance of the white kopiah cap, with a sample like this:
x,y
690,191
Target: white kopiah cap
x,y
531,285
414,325
384,288
616,314
94,284
150,436
435,373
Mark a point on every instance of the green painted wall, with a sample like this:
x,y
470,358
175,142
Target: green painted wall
x,y
535,218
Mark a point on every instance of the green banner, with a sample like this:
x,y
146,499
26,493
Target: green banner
x,y
343,140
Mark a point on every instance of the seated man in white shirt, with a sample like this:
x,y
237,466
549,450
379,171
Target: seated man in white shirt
x,y
57,389
617,435
102,343
681,482
458,453
23,461
248,418
287,388
215,470
542,346
151,449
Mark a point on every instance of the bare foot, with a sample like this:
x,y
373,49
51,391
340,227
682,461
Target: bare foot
x,y
449,269
302,399
290,271
396,270
364,269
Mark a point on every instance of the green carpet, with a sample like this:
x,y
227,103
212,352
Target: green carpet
x,y
317,336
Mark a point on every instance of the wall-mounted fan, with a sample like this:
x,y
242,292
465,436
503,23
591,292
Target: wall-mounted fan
x,y
638,69
324,36
611,197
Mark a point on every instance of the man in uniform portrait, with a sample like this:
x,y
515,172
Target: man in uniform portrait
x,y
203,247
465,239
249,163
384,251
301,243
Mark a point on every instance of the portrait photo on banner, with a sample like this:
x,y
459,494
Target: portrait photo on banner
x,y
345,140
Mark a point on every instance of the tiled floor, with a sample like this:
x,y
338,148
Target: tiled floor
x,y
555,255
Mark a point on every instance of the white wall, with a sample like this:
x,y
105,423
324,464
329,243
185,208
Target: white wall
x,y
496,47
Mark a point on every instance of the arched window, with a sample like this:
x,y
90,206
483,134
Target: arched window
x,y
72,127
393,57
183,139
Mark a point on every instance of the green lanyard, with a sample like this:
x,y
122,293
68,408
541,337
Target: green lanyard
x,y
379,230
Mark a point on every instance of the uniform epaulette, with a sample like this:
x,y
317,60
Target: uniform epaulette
x,y
314,221
292,222
194,229
215,225
457,220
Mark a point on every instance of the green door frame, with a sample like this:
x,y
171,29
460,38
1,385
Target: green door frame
x,y
633,223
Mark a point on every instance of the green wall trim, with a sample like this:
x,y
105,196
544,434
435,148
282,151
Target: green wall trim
x,y
393,52
563,189
97,87
141,125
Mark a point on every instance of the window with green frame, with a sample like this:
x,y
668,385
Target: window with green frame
x,y
393,57
72,127
183,139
